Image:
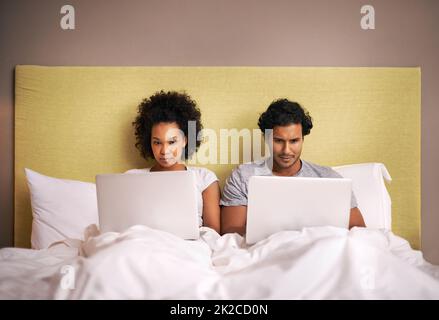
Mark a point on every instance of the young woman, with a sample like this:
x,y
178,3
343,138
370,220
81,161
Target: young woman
x,y
161,129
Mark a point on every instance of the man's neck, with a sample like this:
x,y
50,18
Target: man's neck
x,y
287,172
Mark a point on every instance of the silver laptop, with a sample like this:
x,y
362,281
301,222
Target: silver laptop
x,y
291,203
161,200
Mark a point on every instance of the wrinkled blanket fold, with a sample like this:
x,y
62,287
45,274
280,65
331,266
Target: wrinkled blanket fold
x,y
143,263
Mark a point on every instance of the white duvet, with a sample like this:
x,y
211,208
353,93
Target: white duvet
x,y
143,263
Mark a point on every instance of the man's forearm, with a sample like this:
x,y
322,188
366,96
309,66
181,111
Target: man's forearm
x,y
233,219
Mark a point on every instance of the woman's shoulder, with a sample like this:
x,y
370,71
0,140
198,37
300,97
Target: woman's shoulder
x,y
206,176
201,170
138,170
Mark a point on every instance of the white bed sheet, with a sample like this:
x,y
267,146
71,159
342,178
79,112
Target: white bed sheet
x,y
143,263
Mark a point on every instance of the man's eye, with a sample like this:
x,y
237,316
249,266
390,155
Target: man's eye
x,y
172,142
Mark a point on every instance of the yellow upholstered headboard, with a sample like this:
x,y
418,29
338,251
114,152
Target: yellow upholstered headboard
x,y
75,122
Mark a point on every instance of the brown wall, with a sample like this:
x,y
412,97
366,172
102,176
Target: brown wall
x,y
226,33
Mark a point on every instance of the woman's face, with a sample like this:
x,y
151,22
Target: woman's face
x,y
167,143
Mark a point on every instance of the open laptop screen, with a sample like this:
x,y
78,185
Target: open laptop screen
x,y
292,203
161,200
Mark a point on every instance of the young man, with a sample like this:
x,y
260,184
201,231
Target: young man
x,y
289,123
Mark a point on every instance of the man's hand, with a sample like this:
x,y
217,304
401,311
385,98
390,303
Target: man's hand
x,y
356,218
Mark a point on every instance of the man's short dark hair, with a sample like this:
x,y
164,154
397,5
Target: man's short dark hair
x,y
283,112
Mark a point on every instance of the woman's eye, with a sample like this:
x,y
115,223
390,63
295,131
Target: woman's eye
x,y
172,142
156,142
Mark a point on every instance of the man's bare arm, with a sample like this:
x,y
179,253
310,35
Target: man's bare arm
x,y
233,219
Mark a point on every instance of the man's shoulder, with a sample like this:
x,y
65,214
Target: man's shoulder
x,y
248,166
253,167
245,170
315,170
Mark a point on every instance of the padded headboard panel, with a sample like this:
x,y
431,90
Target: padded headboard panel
x,y
75,122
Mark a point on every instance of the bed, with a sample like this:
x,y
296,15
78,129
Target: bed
x,y
72,123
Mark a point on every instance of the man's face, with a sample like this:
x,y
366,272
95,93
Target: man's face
x,y
287,145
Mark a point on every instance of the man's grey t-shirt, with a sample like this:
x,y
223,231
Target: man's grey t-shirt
x,y
236,189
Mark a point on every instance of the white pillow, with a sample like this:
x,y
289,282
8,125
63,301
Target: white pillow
x,y
60,208
370,190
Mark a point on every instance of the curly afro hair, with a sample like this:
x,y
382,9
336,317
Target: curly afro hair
x,y
283,112
167,107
